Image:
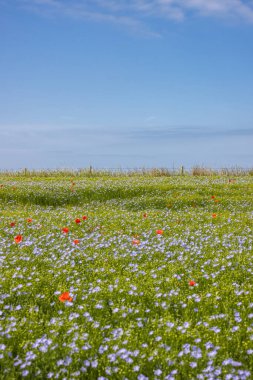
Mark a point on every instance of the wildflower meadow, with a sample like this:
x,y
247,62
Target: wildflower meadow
x,y
126,277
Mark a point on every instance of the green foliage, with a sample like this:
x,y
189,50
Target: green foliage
x,y
132,312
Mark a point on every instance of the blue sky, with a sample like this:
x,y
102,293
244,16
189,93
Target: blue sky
x,y
153,83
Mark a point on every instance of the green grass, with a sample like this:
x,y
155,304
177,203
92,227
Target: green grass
x,y
134,314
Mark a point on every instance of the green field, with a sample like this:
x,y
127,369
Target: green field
x,y
126,277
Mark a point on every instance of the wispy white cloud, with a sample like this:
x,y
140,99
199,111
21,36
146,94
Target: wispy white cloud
x,y
50,146
238,9
98,11
136,14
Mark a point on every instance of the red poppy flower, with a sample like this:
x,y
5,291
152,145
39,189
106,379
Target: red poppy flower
x,y
213,197
145,215
76,241
159,232
85,217
214,216
29,220
65,230
12,224
18,239
136,242
65,297
78,221
192,283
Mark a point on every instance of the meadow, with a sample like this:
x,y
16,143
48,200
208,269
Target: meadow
x,y
128,277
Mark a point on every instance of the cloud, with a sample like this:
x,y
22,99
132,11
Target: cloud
x,y
90,11
136,14
188,132
225,8
78,135
44,146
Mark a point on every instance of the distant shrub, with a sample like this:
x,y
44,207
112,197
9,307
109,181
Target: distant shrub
x,y
201,171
